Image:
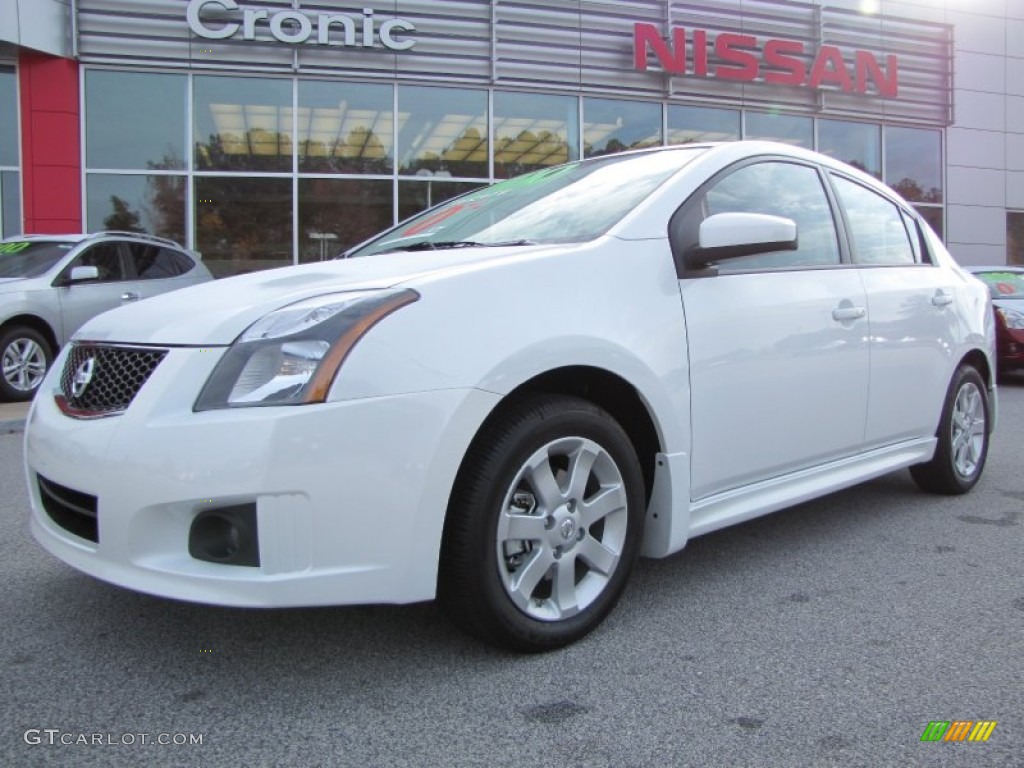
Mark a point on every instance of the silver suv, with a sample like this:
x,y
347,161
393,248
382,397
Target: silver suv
x,y
51,284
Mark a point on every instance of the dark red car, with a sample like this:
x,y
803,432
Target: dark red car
x,y
1006,284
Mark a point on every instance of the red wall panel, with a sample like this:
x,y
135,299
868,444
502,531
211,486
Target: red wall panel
x,y
51,147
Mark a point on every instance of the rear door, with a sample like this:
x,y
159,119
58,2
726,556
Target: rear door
x,y
777,342
912,315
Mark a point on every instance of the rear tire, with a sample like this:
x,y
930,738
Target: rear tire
x,y
544,525
963,438
25,357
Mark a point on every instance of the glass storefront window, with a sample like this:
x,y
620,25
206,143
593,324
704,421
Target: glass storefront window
x,y
1015,237
789,129
416,196
9,117
859,144
614,126
690,124
533,131
243,124
933,215
135,120
335,214
243,224
345,127
154,204
913,163
10,203
442,131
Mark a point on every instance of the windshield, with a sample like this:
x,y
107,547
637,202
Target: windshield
x,y
30,259
565,204
1003,285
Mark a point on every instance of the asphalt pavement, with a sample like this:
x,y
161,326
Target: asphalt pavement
x,y
829,634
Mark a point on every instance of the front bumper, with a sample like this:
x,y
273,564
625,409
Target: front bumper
x,y
350,496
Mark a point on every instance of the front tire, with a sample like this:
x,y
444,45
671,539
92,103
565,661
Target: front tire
x,y
963,438
25,356
544,525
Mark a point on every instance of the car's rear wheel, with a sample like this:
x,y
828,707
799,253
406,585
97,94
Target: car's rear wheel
x,y
544,525
26,357
962,437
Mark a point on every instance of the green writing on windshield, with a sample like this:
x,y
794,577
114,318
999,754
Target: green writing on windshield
x,y
13,247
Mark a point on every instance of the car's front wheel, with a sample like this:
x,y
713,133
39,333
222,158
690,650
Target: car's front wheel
x,y
26,357
544,525
963,437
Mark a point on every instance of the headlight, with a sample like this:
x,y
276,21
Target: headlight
x,y
1012,318
292,355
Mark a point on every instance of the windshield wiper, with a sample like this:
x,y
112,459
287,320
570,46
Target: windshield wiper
x,y
427,245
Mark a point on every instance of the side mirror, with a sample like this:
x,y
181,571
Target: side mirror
x,y
730,235
81,274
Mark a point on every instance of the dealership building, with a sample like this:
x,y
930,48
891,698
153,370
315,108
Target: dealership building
x,y
270,132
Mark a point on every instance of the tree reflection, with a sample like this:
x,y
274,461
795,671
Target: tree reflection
x,y
528,152
122,218
912,191
362,151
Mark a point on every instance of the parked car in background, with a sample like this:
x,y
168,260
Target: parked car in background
x,y
505,400
1006,286
51,284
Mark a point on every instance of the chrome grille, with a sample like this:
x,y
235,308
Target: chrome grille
x,y
100,380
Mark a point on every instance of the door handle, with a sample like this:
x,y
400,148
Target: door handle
x,y
130,296
845,314
942,299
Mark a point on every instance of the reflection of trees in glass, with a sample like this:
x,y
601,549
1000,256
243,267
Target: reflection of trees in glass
x,y
243,224
351,209
255,150
165,206
528,151
360,152
911,190
455,158
122,218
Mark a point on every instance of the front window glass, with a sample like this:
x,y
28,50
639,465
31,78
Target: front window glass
x,y
243,124
570,203
442,132
780,189
345,128
611,126
533,131
106,257
690,124
859,144
789,129
30,259
154,204
1004,285
879,235
135,120
913,163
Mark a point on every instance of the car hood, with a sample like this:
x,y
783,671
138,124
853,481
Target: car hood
x,y
217,312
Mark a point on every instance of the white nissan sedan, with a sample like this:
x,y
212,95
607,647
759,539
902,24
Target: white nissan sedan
x,y
504,401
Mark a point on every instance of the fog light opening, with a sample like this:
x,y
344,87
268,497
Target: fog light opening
x,y
227,536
